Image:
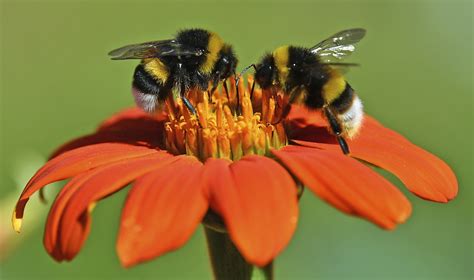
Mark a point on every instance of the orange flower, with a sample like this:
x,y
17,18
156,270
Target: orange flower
x,y
241,166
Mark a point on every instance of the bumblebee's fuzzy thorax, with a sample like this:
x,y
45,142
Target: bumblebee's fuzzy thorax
x,y
289,67
195,37
303,68
205,40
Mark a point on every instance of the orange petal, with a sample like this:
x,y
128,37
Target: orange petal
x,y
423,173
68,221
257,199
50,239
132,126
162,211
302,115
347,184
72,163
126,117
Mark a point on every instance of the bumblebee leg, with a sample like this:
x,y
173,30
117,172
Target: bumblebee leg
x,y
224,85
251,90
186,102
189,105
286,110
237,85
215,85
237,97
336,129
284,113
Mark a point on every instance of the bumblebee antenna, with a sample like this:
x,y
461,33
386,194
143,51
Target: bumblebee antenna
x,y
247,69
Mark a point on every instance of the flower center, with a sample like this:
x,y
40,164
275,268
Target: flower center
x,y
226,126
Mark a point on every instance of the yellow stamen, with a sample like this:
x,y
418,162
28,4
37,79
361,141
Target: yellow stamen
x,y
180,135
224,146
202,115
229,118
223,128
170,136
260,141
192,143
271,110
247,111
209,143
232,93
219,116
235,144
247,143
170,109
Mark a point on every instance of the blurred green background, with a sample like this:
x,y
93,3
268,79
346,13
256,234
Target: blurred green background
x,y
416,77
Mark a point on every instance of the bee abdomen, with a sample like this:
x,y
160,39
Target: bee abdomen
x,y
149,93
143,81
349,109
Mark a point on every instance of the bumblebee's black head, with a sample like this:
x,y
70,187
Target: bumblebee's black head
x,y
266,72
225,64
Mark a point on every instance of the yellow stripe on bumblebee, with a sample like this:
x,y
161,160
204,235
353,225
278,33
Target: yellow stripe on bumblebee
x,y
281,56
334,87
214,46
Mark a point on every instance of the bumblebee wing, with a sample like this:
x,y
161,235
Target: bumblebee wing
x,y
154,49
342,67
339,45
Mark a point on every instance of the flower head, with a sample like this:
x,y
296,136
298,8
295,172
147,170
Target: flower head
x,y
236,159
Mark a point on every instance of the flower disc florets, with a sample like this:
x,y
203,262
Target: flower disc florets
x,y
226,126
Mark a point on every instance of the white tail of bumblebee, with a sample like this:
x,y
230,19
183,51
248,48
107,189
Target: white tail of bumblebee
x,y
147,102
352,119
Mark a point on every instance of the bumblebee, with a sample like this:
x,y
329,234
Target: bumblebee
x,y
313,77
196,58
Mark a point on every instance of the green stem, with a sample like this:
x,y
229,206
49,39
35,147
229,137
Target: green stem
x,y
228,263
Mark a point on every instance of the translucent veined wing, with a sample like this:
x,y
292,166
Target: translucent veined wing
x,y
155,49
339,45
342,67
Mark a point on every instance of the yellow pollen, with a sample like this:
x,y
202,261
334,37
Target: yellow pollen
x,y
226,126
